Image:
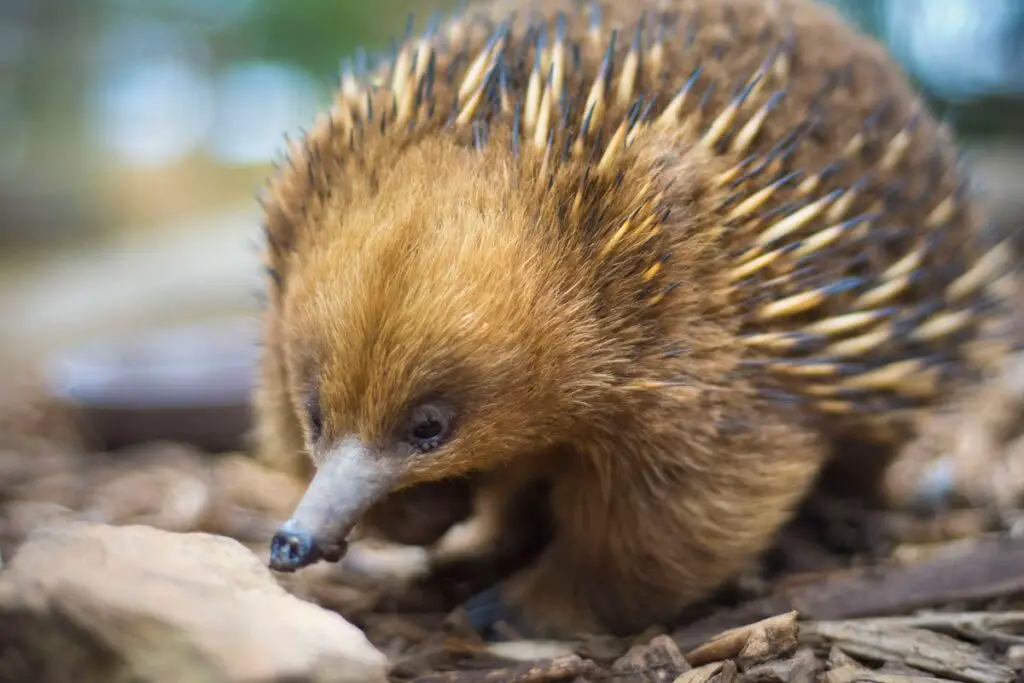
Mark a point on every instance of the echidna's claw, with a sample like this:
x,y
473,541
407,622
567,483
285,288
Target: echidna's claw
x,y
488,608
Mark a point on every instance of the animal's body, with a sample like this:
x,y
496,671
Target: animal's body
x,y
662,256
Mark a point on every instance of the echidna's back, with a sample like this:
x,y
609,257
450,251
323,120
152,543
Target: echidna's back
x,y
856,258
860,259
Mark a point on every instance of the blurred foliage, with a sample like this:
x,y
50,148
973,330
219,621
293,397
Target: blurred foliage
x,y
57,57
327,30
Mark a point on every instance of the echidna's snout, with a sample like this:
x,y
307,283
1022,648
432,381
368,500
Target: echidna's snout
x,y
350,479
292,549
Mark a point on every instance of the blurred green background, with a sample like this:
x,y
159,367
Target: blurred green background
x,y
135,133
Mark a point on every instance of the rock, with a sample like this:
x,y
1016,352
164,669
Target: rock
x,y
658,661
90,602
163,485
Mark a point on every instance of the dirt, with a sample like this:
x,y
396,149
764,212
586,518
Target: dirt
x,y
849,593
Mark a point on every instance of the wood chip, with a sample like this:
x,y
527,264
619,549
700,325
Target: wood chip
x,y
773,637
803,667
989,626
716,672
925,650
981,569
560,669
838,659
531,650
858,674
658,661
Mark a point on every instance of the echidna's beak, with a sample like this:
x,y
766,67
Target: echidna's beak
x,y
348,481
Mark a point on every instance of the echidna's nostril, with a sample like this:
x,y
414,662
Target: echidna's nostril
x,y
292,549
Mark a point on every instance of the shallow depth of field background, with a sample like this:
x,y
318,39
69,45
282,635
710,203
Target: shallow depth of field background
x,y
135,133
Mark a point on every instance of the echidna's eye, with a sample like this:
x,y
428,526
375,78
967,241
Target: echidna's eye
x,y
429,426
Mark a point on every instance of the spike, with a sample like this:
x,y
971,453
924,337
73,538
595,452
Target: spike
x,y
860,345
805,369
578,146
723,122
670,116
726,177
595,99
898,146
615,238
941,213
546,159
747,134
639,121
533,90
656,55
541,133
651,272
477,71
424,58
797,220
848,322
941,325
557,81
883,293
755,201
835,407
752,266
402,70
469,111
994,261
781,341
826,237
630,74
805,301
504,98
614,147
885,377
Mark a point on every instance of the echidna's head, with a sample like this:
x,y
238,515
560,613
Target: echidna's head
x,y
431,326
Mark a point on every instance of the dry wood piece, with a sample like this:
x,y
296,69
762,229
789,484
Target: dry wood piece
x,y
932,652
531,650
658,661
967,625
838,659
560,669
1015,657
980,569
773,637
802,667
858,674
716,672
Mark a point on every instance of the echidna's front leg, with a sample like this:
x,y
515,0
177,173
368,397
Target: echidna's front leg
x,y
640,536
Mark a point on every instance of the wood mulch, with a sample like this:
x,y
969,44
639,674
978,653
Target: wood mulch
x,y
848,595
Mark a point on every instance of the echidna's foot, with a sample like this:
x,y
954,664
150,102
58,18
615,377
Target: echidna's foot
x,y
489,608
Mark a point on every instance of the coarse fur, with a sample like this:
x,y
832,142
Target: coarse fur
x,y
661,255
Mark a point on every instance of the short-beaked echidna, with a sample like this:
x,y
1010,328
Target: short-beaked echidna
x,y
660,255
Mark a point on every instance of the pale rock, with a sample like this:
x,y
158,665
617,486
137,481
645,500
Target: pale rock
x,y
163,485
90,602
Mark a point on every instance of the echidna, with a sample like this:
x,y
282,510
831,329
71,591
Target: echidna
x,y
661,256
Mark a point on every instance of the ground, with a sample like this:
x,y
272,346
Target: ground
x,y
848,594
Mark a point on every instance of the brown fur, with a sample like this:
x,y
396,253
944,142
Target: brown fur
x,y
619,369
